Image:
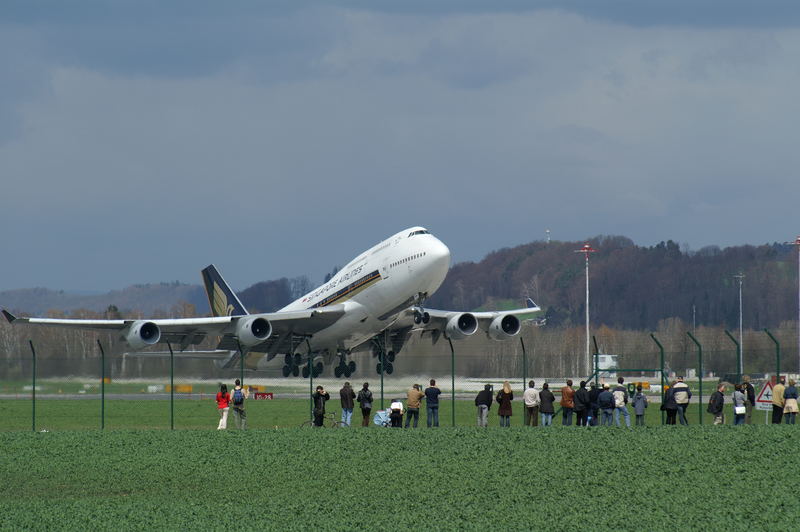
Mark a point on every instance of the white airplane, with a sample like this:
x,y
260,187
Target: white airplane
x,y
378,297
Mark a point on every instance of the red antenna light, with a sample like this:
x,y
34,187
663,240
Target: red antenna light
x,y
586,249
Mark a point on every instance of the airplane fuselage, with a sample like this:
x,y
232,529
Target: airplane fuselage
x,y
376,286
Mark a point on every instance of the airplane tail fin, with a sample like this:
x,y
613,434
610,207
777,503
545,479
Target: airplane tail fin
x,y
221,298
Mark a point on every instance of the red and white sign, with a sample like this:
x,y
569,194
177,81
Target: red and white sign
x,y
262,395
764,397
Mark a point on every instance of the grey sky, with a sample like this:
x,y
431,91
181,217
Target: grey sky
x,y
140,141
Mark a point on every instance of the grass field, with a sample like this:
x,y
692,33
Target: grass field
x,y
700,478
66,414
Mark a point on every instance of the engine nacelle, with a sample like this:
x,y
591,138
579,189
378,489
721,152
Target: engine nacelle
x,y
252,331
461,325
142,334
504,327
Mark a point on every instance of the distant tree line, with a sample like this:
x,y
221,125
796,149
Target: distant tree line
x,y
633,287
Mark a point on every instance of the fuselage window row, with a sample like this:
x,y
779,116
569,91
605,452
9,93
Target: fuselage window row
x,y
413,257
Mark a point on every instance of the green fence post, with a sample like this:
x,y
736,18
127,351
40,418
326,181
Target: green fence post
x,y
700,374
777,355
171,387
241,368
524,369
310,381
663,380
102,385
738,356
383,365
596,362
33,389
453,379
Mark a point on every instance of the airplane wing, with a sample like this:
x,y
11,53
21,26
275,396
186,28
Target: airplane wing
x,y
251,331
500,325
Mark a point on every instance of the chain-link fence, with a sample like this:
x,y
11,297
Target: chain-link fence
x,y
88,388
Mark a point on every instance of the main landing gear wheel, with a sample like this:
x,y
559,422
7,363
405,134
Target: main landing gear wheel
x,y
390,356
286,370
317,370
305,372
344,370
389,368
296,371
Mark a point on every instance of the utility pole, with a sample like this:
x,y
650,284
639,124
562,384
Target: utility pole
x,y
797,243
586,249
740,276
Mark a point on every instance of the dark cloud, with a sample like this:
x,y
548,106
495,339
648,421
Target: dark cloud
x,y
641,13
145,140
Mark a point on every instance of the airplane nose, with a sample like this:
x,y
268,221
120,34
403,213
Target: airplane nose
x,y
439,255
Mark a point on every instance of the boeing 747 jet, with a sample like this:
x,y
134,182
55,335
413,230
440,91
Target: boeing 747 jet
x,y
377,297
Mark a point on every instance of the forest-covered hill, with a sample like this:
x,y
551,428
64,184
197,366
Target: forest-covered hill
x,y
634,287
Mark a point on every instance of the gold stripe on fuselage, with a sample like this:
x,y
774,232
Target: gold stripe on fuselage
x,y
350,290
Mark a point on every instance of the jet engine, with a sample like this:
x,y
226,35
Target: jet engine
x,y
461,325
142,334
504,327
252,331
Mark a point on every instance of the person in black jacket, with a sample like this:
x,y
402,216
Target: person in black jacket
x,y
365,401
319,397
546,400
716,403
594,409
605,401
750,394
670,406
484,402
346,395
582,404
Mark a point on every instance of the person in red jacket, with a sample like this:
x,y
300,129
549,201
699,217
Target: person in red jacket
x,y
223,404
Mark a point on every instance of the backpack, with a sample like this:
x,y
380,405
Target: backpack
x,y
619,398
238,397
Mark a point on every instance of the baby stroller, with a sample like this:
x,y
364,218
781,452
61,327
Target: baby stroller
x,y
381,418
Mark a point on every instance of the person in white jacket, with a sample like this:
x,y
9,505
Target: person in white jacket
x,y
531,399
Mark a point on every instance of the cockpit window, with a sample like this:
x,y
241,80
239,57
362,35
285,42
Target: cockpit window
x,y
420,232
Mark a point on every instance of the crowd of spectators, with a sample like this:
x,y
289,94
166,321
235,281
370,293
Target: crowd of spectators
x,y
596,405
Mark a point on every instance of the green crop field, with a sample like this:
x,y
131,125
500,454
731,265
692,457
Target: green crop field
x,y
700,478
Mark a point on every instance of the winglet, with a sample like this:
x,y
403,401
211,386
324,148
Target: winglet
x,y
530,304
8,316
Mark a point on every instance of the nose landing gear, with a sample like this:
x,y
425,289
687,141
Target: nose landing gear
x,y
420,316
